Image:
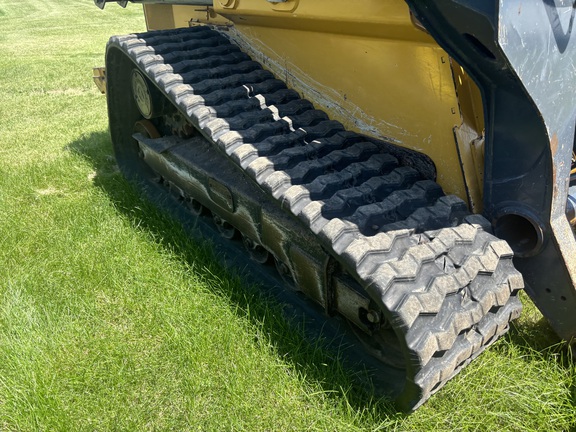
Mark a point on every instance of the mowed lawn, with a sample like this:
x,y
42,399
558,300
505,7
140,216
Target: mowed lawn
x,y
112,319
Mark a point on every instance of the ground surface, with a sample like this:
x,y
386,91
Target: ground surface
x,y
110,319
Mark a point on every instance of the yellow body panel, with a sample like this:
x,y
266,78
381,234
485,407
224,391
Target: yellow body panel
x,y
165,16
367,65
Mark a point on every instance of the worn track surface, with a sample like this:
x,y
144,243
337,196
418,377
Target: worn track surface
x,y
442,282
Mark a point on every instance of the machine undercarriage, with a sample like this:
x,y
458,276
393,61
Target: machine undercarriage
x,y
357,224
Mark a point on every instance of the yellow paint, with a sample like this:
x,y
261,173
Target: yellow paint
x,y
99,77
470,135
164,16
367,65
159,16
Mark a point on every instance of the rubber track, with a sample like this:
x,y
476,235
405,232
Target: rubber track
x,y
447,285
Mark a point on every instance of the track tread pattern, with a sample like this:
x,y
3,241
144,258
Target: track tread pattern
x,y
445,283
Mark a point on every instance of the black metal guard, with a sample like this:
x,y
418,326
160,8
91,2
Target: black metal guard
x,y
123,3
522,55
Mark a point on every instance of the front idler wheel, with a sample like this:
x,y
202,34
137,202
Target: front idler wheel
x,y
150,101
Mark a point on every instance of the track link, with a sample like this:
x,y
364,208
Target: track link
x,y
444,285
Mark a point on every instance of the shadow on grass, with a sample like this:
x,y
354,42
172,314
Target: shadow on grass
x,y
535,335
319,348
538,336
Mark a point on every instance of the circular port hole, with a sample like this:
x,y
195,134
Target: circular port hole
x,y
522,234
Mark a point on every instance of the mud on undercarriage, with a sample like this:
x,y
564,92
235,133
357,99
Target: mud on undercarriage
x,y
350,221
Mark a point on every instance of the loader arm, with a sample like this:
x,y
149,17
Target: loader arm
x,y
522,55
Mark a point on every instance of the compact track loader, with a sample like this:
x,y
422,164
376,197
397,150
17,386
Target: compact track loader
x,y
407,165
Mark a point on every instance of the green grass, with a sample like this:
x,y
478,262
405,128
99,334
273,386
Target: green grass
x,y
111,319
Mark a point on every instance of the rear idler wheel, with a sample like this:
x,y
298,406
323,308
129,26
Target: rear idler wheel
x,y
149,100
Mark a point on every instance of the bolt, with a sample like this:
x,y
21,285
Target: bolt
x,y
373,316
